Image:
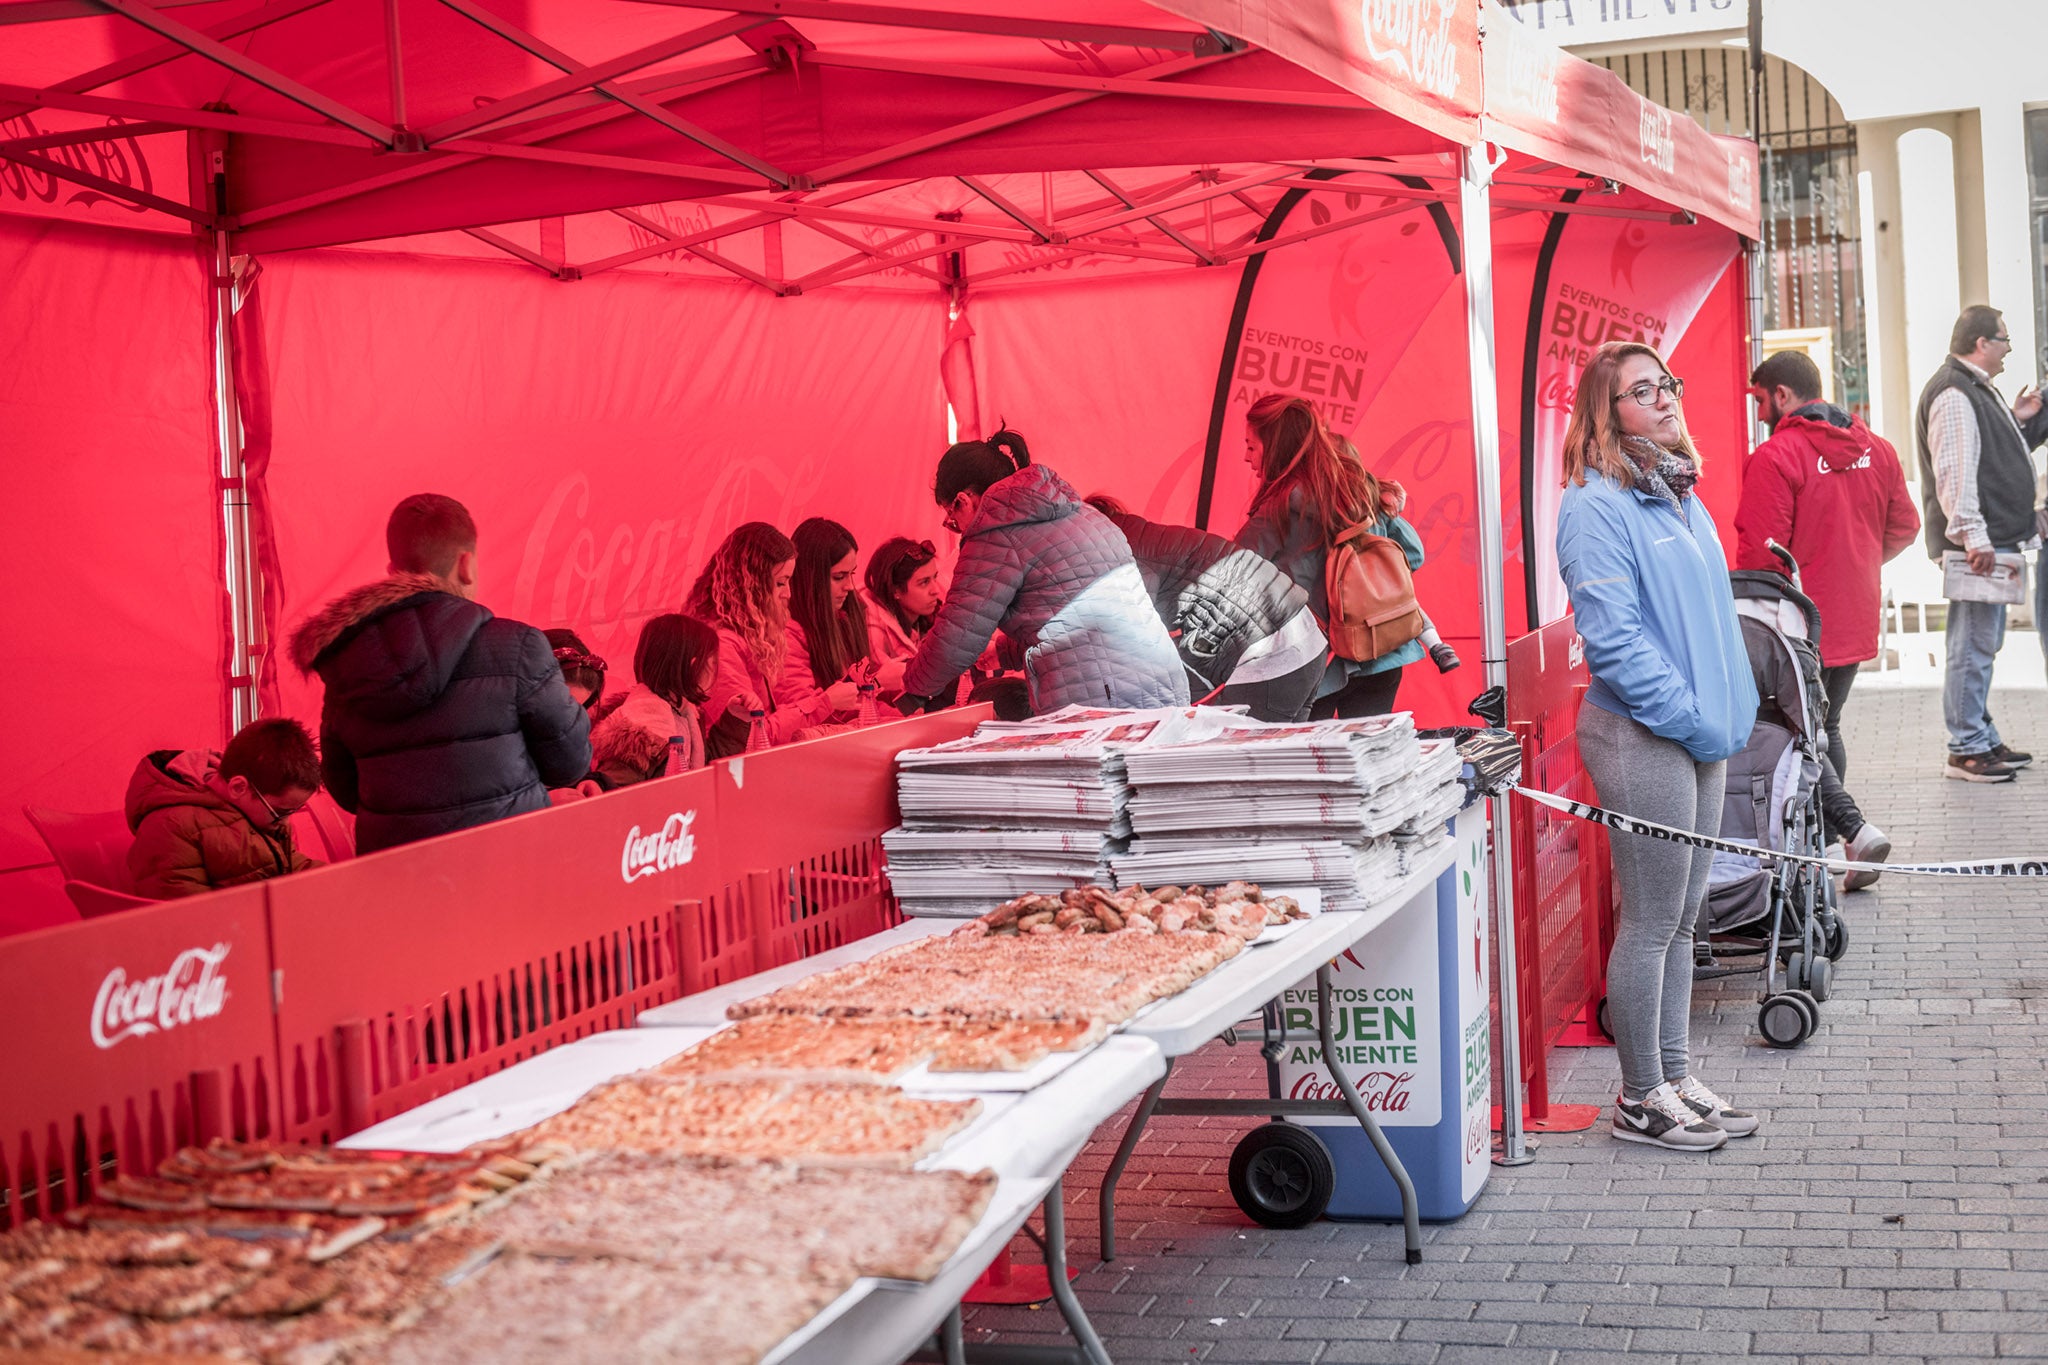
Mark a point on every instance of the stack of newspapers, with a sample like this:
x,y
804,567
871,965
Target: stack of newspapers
x,y
1439,792
1176,796
1014,808
1328,804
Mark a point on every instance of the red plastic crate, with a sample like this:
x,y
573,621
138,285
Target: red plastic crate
x,y
1563,904
411,973
801,831
127,1038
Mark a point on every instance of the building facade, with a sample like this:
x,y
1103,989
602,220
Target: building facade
x,y
1905,165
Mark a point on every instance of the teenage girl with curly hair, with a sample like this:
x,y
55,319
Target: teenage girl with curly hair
x,y
743,592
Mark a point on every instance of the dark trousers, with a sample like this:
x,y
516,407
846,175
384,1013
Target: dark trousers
x,y
1838,808
1368,694
1838,680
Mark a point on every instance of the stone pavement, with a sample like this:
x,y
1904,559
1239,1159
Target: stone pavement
x,y
1894,1207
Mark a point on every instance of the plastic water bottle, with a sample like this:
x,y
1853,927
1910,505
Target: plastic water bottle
x,y
757,730
678,755
868,702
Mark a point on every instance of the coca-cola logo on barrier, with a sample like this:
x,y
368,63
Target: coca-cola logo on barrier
x,y
193,989
113,158
1415,38
671,846
1383,1092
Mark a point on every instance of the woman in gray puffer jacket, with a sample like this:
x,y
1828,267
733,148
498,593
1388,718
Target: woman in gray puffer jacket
x,y
1054,576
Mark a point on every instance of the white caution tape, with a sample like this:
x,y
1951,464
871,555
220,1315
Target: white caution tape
x,y
1649,829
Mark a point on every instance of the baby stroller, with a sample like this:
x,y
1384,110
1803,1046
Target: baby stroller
x,y
1780,912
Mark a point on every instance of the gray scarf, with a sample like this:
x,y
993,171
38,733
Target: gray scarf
x,y
1667,474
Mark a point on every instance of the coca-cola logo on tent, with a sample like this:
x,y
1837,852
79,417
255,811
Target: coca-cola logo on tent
x,y
671,846
1529,83
1415,38
194,988
113,158
1740,196
1659,142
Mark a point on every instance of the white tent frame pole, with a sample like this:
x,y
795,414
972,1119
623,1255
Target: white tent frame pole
x,y
1475,203
238,551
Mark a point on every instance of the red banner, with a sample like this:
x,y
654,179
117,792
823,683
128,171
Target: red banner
x,y
1369,324
1609,279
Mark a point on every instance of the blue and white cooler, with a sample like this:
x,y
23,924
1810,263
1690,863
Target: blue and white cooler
x,y
1410,1016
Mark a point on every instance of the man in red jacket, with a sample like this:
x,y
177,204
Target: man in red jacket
x,y
1827,489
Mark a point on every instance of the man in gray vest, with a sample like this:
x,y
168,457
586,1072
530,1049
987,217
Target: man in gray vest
x,y
1977,488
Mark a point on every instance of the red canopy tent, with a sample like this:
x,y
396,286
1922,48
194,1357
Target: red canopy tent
x,y
620,274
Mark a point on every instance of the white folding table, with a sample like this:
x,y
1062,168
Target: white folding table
x,y
1242,986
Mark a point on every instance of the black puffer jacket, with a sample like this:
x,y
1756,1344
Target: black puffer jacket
x,y
1054,576
438,716
1221,597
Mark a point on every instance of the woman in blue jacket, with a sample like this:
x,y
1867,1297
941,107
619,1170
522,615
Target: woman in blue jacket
x,y
1672,698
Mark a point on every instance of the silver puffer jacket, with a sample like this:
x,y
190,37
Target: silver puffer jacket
x,y
1057,577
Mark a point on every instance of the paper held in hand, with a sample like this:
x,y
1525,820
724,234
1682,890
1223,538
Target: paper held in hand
x,y
2007,581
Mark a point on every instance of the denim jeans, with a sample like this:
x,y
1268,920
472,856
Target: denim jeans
x,y
1975,632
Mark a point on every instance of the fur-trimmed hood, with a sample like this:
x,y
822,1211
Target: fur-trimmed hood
x,y
319,632
389,649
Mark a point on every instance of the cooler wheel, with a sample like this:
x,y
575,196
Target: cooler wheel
x,y
1281,1175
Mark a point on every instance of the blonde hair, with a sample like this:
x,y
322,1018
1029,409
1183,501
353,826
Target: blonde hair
x,y
736,590
1593,440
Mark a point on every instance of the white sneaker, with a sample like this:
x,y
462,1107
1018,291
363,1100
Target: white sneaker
x,y
1714,1109
1869,846
1663,1119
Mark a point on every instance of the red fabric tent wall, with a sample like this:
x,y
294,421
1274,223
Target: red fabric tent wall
x,y
1133,366
605,434
605,430
113,605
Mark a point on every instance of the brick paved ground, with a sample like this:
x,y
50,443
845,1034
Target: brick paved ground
x,y
1895,1205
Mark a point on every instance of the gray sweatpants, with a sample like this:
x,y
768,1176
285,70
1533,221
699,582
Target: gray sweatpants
x,y
1661,887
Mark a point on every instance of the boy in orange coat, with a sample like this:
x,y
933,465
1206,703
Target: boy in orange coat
x,y
204,821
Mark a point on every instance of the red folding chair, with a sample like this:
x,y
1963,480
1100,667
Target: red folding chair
x,y
91,847
333,830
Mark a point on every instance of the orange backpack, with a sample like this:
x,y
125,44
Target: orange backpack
x,y
1372,596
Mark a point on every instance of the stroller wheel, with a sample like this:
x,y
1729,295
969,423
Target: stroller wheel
x,y
1795,972
1783,1023
1602,1020
1806,1002
1837,938
1820,978
1281,1175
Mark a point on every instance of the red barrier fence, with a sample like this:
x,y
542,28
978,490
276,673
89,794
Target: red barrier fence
x,y
128,1037
311,1007
496,943
1564,913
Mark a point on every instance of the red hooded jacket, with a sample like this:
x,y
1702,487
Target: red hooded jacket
x,y
1833,494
